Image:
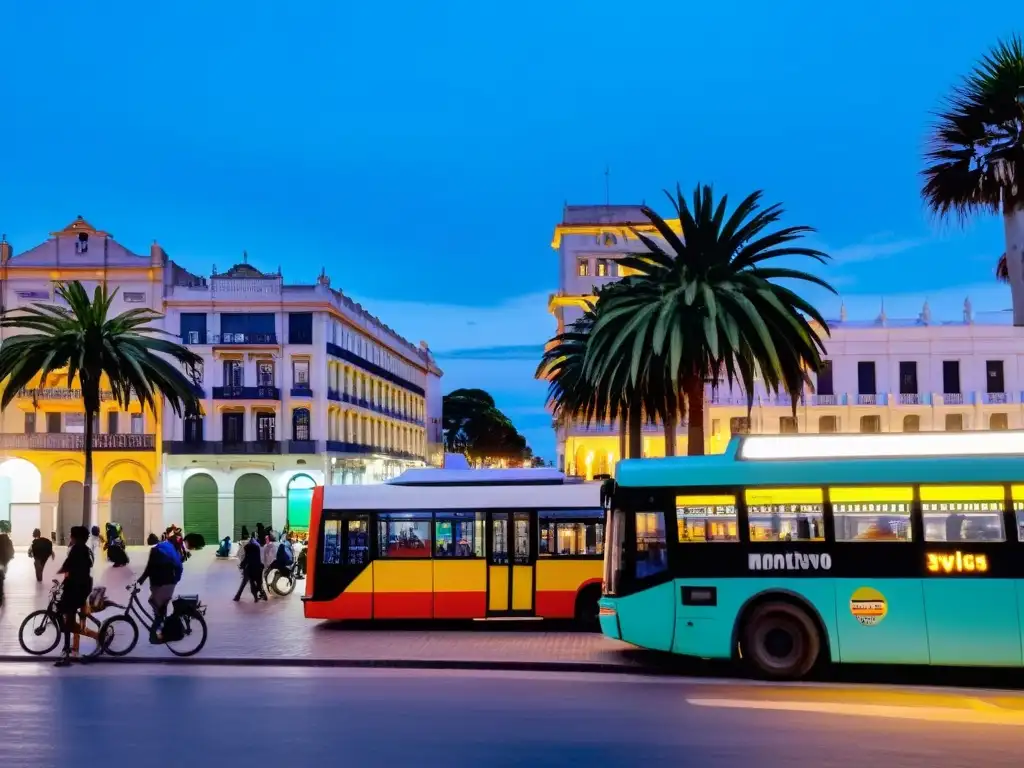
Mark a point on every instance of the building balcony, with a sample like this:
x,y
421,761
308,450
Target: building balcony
x,y
340,446
302,446
876,398
246,393
223,447
67,441
333,394
196,338
63,394
996,398
302,392
950,398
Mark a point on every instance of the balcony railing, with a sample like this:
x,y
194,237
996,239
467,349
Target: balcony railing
x,y
333,394
61,393
246,393
302,446
302,392
223,447
66,441
996,398
910,398
952,398
197,337
340,446
871,399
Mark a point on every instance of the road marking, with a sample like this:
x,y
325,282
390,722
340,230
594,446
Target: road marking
x,y
994,716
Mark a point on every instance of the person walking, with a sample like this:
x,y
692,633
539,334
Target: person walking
x,y
6,555
252,571
40,550
77,570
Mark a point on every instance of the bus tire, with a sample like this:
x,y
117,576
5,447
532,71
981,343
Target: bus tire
x,y
587,607
780,641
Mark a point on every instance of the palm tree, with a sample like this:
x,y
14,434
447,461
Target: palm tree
x,y
706,304
81,339
975,159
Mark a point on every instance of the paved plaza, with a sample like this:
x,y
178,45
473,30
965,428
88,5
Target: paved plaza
x,y
276,630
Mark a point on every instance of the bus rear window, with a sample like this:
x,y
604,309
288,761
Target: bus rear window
x,y
786,514
872,514
707,518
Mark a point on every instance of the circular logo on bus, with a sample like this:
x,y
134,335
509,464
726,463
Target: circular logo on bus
x,y
868,606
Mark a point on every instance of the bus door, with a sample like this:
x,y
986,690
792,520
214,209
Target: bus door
x,y
511,555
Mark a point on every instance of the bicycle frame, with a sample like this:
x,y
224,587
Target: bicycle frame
x,y
136,610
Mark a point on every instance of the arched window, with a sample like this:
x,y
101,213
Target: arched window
x,y
300,424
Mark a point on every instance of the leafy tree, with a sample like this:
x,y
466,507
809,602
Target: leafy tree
x,y
475,426
975,160
84,341
707,304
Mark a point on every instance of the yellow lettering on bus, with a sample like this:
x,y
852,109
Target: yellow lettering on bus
x,y
957,562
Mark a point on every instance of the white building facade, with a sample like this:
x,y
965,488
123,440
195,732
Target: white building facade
x,y
300,387
883,375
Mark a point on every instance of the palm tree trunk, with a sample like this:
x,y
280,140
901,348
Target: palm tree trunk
x,y
670,430
87,480
694,388
636,443
1013,230
622,434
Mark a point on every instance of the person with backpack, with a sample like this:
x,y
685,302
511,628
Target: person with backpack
x,y
163,570
40,550
285,557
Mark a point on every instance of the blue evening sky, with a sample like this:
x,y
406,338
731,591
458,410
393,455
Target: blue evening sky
x,y
422,152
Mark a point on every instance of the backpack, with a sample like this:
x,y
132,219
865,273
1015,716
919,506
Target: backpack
x,y
284,554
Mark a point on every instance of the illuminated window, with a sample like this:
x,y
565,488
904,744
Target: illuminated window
x,y
828,425
998,421
1018,508
871,514
912,423
459,534
571,533
963,513
954,422
787,425
870,425
706,518
786,514
403,534
651,555
582,267
602,268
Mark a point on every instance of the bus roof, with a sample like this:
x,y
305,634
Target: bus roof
x,y
471,497
766,460
434,476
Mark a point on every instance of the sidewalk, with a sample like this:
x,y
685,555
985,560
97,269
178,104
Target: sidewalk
x,y
277,631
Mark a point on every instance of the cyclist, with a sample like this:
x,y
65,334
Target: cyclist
x,y
163,570
285,557
77,570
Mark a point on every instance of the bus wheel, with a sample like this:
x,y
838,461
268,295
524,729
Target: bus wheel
x,y
587,608
780,641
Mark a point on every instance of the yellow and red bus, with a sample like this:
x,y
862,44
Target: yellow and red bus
x,y
456,544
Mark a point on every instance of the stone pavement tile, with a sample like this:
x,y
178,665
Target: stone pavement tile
x,y
278,629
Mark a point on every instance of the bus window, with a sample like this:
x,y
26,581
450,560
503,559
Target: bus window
x,y
565,534
1018,508
650,544
707,518
786,514
403,534
459,534
358,551
872,514
332,542
963,513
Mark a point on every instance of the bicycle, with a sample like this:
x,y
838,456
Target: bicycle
x,y
185,623
40,622
273,575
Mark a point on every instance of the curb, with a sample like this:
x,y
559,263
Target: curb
x,y
580,667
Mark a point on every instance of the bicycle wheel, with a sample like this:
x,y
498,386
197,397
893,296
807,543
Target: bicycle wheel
x,y
40,633
195,635
120,634
274,582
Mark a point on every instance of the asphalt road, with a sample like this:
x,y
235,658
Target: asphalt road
x,y
160,716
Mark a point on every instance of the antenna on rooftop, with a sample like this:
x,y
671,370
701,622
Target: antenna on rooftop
x,y
607,185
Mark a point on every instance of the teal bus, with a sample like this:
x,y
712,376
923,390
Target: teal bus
x,y
790,551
